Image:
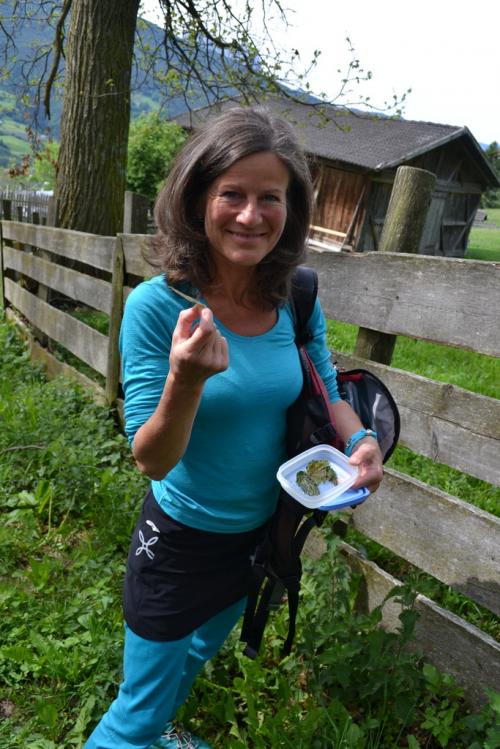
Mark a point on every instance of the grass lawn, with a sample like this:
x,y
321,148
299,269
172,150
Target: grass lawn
x,y
476,372
484,242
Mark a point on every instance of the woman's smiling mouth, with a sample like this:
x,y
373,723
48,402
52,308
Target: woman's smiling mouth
x,y
246,235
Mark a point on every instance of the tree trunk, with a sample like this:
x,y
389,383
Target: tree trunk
x,y
96,114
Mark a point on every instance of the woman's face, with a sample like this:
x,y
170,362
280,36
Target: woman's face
x,y
245,210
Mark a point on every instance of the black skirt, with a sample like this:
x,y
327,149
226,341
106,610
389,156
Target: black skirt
x,y
179,577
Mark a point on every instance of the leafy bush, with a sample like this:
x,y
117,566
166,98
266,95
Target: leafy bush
x,y
348,685
153,144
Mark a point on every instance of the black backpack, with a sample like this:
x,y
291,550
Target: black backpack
x,y
277,566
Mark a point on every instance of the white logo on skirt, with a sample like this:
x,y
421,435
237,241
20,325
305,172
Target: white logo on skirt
x,y
145,545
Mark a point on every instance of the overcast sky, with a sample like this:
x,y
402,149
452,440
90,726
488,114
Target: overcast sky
x,y
446,51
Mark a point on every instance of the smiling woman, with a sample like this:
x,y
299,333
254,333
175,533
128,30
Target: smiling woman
x,y
245,211
277,174
233,218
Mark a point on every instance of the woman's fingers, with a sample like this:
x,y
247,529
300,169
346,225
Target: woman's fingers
x,y
368,458
198,348
195,320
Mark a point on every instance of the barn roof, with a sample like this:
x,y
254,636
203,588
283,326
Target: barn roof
x,y
369,141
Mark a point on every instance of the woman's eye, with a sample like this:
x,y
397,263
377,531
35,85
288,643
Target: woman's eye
x,y
271,198
230,195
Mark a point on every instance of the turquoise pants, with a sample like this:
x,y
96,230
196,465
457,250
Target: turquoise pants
x,y
157,678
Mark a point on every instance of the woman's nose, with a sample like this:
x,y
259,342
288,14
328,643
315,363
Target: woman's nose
x,y
249,212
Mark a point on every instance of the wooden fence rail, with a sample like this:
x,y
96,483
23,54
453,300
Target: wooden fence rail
x,y
445,300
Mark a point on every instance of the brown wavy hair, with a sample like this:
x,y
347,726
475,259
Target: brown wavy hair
x,y
180,247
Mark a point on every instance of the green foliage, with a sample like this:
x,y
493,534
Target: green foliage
x,y
349,684
461,485
491,198
44,168
153,144
70,495
494,217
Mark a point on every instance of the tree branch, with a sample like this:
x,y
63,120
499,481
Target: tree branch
x,y
58,51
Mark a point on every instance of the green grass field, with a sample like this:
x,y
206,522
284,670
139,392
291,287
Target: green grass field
x,y
476,372
484,243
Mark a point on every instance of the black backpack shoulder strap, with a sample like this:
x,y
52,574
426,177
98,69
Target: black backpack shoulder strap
x,y
280,568
302,301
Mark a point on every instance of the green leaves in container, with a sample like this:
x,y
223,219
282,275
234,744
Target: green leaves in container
x,y
307,484
321,471
316,472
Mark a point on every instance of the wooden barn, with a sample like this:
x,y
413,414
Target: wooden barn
x,y
355,157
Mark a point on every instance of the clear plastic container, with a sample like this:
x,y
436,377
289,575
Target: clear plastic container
x,y
330,495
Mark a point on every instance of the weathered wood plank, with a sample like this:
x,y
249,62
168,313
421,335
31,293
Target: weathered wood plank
x,y
453,645
2,292
447,300
93,292
453,541
448,443
402,231
113,365
43,292
133,246
75,245
54,367
442,421
88,344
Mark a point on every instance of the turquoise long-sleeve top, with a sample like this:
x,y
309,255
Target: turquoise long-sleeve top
x,y
226,480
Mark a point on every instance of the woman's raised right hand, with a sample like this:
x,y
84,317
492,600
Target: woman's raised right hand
x,y
198,350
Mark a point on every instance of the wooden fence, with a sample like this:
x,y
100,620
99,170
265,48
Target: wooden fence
x,y
450,301
27,205
36,207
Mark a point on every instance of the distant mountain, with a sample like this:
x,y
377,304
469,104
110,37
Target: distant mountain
x,y
16,114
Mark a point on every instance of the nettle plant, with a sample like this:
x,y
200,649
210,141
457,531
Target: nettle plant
x,y
347,685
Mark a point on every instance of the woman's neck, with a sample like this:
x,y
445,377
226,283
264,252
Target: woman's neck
x,y
236,287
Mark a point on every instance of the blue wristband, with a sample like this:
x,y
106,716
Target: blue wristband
x,y
356,437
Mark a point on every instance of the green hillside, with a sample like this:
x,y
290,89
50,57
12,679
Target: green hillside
x,y
17,111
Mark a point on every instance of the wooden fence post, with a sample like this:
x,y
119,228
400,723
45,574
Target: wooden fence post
x,y
115,316
43,292
403,226
135,214
6,216
3,303
7,209
52,212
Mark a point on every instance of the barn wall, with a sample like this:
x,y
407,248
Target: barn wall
x,y
356,203
455,200
376,204
338,199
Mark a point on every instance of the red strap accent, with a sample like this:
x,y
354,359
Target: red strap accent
x,y
318,386
347,377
